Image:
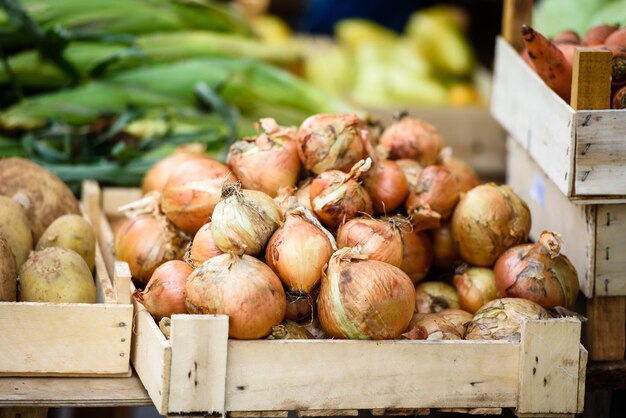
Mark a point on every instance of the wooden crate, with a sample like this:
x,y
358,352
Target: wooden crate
x,y
593,239
199,370
582,151
71,339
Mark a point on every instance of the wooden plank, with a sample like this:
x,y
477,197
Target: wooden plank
x,y
90,196
606,337
331,413
606,375
22,412
199,358
103,280
591,79
107,245
582,378
399,412
609,253
549,359
72,338
114,197
534,115
516,13
151,357
294,374
551,210
122,279
473,411
73,392
259,414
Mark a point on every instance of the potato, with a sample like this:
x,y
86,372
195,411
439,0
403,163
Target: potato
x,y
8,273
74,233
43,195
55,275
15,229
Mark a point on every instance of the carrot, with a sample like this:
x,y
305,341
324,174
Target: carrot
x,y
619,99
598,34
550,63
618,64
617,38
568,52
527,59
567,37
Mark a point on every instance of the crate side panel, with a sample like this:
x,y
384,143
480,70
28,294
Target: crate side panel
x,y
610,249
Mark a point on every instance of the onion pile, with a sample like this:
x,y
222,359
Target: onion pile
x,y
475,287
157,176
203,247
378,239
164,294
411,138
387,186
433,199
465,176
433,297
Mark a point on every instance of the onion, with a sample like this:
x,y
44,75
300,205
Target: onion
x,y
364,299
457,317
332,142
156,177
433,297
203,246
412,138
303,194
475,287
378,239
433,199
417,253
411,169
164,294
538,272
241,287
386,185
464,175
299,251
432,327
299,306
289,330
244,220
145,242
489,220
445,254
269,161
191,193
501,319
337,197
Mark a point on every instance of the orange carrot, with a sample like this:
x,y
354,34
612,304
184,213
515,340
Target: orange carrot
x,y
619,99
617,38
550,63
598,34
527,59
567,37
568,52
618,64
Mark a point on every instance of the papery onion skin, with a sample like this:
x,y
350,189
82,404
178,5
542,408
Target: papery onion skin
x,y
433,297
145,242
244,220
192,191
433,199
299,306
432,327
289,330
243,288
268,162
538,272
475,287
378,239
164,294
417,254
364,299
501,319
489,220
411,169
457,317
387,186
445,254
156,177
298,253
203,246
464,175
412,138
332,142
303,195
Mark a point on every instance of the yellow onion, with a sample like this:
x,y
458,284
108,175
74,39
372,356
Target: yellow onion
x,y
457,317
203,246
289,330
412,138
501,319
475,287
243,288
303,194
417,253
145,242
299,251
266,162
332,142
445,254
464,175
433,199
299,306
364,299
433,297
432,327
337,197
489,220
411,169
386,185
538,272
192,191
156,177
244,220
378,239
164,294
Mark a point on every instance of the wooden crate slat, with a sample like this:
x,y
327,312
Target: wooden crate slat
x,y
606,337
609,253
400,412
329,413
